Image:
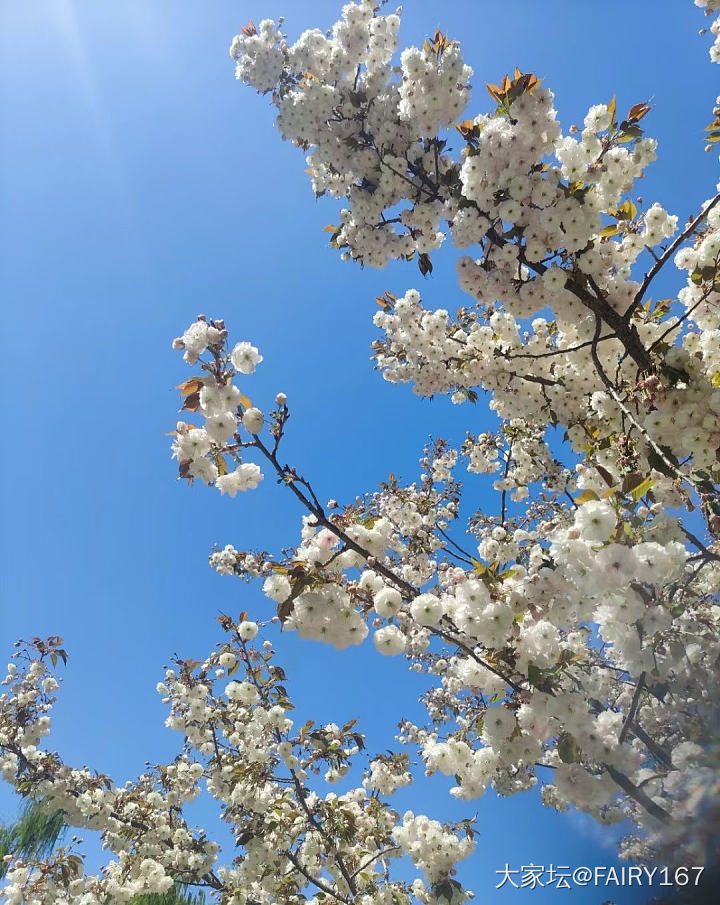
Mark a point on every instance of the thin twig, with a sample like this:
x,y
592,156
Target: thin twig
x,y
633,708
577,348
684,317
629,415
322,886
385,851
669,252
637,794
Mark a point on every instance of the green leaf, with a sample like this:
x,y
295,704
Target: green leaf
x,y
641,489
629,133
568,749
508,573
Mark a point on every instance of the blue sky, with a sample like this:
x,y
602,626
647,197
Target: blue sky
x,y
140,185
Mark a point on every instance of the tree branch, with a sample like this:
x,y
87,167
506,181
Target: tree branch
x,y
385,851
320,884
315,823
633,708
669,252
638,795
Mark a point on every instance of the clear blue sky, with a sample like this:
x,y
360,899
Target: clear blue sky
x,y
140,185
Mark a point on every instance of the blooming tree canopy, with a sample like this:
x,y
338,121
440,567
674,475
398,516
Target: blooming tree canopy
x,y
570,625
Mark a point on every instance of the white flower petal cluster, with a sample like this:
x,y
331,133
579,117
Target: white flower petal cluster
x,y
569,627
241,747
712,6
246,476
390,641
434,91
201,451
596,520
388,773
432,848
556,633
259,56
245,358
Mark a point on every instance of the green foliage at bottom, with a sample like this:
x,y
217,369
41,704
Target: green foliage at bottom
x,y
174,897
34,834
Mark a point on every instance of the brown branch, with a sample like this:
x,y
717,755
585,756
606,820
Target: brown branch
x,y
633,708
291,481
320,884
684,317
662,757
629,415
385,851
533,378
317,825
503,503
668,253
471,653
699,544
409,590
455,544
598,304
638,795
577,348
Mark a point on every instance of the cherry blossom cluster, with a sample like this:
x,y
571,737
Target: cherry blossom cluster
x,y
710,7
202,450
560,588
294,842
535,203
373,133
574,629
571,619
